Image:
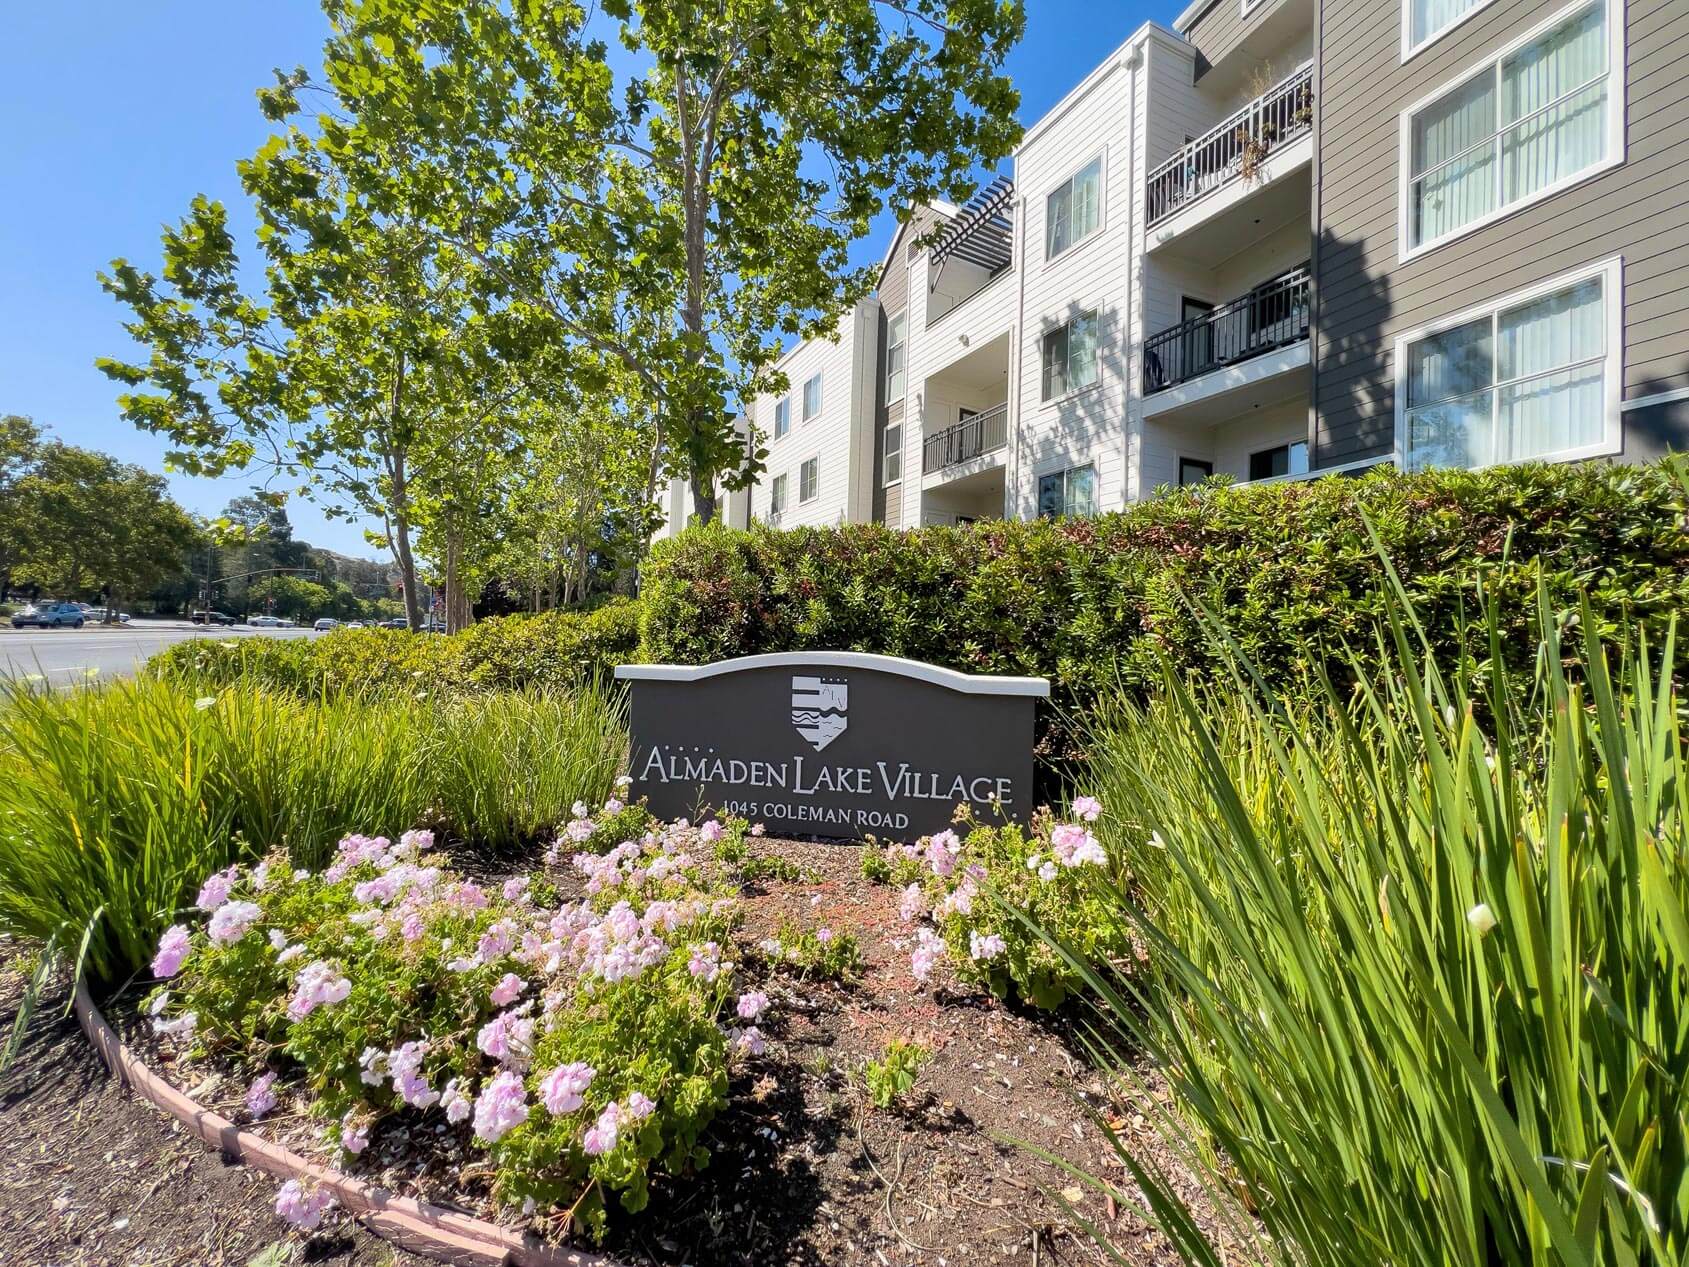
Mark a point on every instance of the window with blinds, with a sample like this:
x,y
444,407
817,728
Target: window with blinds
x,y
1530,122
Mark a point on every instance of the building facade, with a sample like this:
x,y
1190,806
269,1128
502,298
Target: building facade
x,y
1281,239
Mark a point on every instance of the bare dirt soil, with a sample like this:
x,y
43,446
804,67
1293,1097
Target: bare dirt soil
x,y
804,1170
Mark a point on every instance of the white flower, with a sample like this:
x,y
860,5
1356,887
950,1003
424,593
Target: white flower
x,y
1482,918
204,702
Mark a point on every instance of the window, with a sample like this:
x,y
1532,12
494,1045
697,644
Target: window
x,y
1073,210
893,461
1537,376
895,356
812,398
1070,356
1283,459
782,416
1538,117
1069,492
809,480
777,496
1425,20
1194,471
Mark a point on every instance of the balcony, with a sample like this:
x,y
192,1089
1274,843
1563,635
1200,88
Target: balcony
x,y
968,439
1272,316
1239,149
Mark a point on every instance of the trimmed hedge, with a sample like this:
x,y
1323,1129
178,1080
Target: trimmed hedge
x,y
505,653
1290,568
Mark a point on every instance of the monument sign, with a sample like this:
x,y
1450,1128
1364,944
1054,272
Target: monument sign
x,y
831,743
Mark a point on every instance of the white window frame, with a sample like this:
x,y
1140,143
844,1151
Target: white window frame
x,y
1410,50
903,343
1096,314
1611,273
1613,16
777,495
886,452
786,402
1249,6
815,490
1100,158
803,393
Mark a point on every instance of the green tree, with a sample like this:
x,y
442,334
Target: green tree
x,y
89,522
20,445
677,220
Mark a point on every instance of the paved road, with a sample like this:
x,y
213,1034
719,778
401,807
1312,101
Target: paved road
x,y
63,655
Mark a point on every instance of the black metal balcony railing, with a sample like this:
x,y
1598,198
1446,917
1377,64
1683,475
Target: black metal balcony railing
x,y
1272,315
1234,149
966,439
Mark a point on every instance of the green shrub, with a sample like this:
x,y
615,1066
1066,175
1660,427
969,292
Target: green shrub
x,y
389,987
551,651
1091,603
115,799
1417,955
894,1074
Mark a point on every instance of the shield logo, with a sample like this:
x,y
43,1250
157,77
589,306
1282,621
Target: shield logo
x,y
818,708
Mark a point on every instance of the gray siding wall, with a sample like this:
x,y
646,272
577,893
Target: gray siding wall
x,y
1364,297
1222,26
893,294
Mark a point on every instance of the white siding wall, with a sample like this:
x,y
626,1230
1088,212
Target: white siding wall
x,y
1264,429
1086,427
835,437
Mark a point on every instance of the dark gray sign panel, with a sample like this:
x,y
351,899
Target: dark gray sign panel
x,y
831,743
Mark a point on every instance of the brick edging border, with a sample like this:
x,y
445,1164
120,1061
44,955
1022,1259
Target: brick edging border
x,y
410,1224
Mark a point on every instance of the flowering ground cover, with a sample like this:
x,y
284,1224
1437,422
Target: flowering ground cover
x,y
696,1044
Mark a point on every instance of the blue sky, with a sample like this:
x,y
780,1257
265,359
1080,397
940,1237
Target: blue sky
x,y
118,112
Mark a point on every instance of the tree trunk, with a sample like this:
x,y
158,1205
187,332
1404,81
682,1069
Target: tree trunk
x,y
400,537
457,598
114,602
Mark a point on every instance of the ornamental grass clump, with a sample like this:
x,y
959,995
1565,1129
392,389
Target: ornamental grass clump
x,y
1417,953
577,1047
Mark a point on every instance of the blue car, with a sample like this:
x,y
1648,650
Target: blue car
x,y
49,616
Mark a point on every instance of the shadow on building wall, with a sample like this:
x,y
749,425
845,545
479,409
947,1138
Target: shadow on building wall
x,y
1354,380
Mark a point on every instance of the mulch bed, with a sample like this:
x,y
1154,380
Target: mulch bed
x,y
803,1170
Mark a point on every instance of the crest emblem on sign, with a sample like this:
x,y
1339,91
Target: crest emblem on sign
x,y
818,708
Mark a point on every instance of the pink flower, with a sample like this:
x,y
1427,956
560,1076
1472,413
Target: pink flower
x,y
913,904
1074,845
757,829
705,961
561,1089
710,832
988,947
354,1136
613,806
317,985
181,1025
747,1041
601,1136
752,1005
301,1207
508,990
172,949
823,935
640,1105
455,1103
261,1096
929,949
215,891
508,1039
516,889
1088,807
404,1064
230,921
501,1107
941,853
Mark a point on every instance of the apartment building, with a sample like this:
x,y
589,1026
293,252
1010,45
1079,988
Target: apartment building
x,y
1281,239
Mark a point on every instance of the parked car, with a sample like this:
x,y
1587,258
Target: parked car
x,y
97,616
398,622
325,624
353,624
50,616
265,622
287,622
212,618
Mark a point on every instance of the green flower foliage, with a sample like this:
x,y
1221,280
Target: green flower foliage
x,y
1094,603
818,954
552,650
894,1074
